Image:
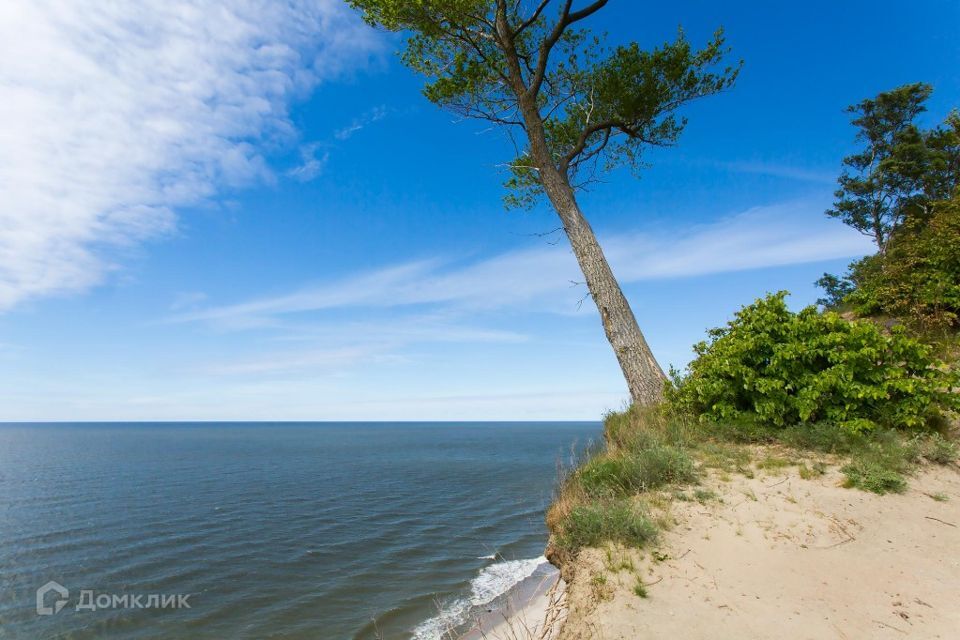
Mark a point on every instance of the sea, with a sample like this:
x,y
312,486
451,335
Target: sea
x,y
271,530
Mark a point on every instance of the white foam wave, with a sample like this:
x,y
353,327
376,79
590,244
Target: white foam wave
x,y
491,583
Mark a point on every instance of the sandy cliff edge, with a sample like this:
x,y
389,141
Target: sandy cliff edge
x,y
777,556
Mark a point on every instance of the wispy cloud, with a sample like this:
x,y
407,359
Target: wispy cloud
x,y
539,278
187,300
337,347
115,114
780,170
373,115
312,163
312,359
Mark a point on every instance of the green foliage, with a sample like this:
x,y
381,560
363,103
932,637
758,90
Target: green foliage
x,y
775,367
640,589
874,476
917,279
593,503
836,290
902,190
590,524
573,102
704,496
938,449
631,473
901,169
658,448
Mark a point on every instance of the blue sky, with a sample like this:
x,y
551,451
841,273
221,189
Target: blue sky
x,y
246,210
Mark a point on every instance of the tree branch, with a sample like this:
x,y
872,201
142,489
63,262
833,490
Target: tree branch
x,y
581,143
533,18
566,19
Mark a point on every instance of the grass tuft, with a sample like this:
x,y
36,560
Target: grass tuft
x,y
873,475
592,523
640,589
939,450
635,472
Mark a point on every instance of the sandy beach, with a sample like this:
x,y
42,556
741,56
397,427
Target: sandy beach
x,y
777,556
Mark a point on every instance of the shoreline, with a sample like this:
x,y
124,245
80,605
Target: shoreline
x,y
534,609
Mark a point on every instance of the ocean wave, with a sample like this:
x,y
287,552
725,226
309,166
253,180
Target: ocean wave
x,y
490,583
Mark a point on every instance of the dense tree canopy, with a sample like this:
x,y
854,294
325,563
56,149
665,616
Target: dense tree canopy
x,y
917,279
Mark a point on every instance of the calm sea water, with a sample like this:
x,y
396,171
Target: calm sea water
x,y
299,531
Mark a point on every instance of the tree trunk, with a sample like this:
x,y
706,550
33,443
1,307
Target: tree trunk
x,y
645,378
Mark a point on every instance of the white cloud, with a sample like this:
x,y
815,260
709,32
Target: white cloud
x,y
113,114
761,237
311,165
539,278
373,115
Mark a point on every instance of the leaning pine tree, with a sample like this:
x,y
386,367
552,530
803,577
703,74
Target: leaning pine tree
x,y
578,107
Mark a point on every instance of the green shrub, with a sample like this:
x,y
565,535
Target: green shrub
x,y
774,367
590,524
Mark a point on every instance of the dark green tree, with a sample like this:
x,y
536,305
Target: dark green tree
x,y
941,175
879,183
897,180
573,106
902,169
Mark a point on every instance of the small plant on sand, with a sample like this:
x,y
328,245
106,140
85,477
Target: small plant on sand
x,y
704,496
600,586
618,560
659,556
774,463
872,475
815,470
640,589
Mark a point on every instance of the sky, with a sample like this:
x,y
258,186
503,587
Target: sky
x,y
246,210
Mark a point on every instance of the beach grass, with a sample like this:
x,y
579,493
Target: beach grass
x,y
651,455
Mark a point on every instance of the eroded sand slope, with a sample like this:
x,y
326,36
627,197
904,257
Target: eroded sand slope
x,y
783,557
